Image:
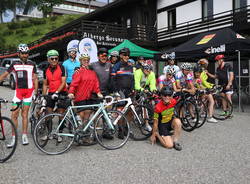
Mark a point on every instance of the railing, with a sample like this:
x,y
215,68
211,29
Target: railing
x,y
233,18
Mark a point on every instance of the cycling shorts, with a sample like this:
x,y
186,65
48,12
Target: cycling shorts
x,y
61,104
165,128
24,95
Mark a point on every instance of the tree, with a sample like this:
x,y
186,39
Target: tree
x,y
13,5
46,6
29,5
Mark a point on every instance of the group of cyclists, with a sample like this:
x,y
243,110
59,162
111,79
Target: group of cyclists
x,y
83,82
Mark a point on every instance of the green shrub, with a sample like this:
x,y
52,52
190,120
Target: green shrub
x,y
19,31
37,21
13,25
25,24
24,34
37,32
8,32
53,18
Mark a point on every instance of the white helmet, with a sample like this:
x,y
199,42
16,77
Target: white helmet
x,y
114,53
84,55
186,66
171,70
23,48
72,49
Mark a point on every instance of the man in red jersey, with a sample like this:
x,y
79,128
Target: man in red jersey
x,y
165,121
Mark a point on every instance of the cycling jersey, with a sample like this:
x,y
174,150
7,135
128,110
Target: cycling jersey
x,y
164,113
23,74
167,82
204,82
54,77
70,68
122,77
184,80
142,81
103,71
84,83
223,74
198,83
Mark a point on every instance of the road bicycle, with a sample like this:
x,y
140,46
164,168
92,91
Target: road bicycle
x,y
142,117
7,130
102,122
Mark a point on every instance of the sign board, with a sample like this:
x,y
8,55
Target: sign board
x,y
88,45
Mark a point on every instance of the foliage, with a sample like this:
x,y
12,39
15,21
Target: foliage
x,y
46,6
37,21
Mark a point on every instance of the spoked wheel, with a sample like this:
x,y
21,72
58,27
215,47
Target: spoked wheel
x,y
85,138
202,111
189,115
52,136
7,129
112,138
220,112
141,128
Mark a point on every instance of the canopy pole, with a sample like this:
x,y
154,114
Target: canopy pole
x,y
239,77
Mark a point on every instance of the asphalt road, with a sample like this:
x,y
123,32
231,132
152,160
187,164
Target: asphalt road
x,y
215,153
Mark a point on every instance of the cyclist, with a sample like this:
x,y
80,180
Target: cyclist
x,y
225,76
198,84
171,64
168,79
103,70
70,64
140,61
204,64
114,55
145,77
165,121
122,74
26,87
184,78
84,83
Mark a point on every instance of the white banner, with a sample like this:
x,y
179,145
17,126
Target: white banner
x,y
74,44
87,45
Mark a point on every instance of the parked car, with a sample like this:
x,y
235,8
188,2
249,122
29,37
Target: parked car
x,y
4,65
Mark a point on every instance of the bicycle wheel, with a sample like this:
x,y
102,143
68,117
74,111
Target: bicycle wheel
x,y
189,115
120,133
53,137
219,112
7,129
202,111
141,129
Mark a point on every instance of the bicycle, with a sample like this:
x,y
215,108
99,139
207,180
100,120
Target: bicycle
x,y
142,123
102,121
7,129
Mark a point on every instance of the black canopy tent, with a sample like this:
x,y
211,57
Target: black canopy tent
x,y
208,44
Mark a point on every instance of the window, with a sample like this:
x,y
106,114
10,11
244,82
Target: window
x,y
145,18
204,10
236,5
172,19
128,23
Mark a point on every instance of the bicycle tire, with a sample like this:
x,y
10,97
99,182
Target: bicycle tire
x,y
45,133
203,110
189,123
120,134
138,131
218,110
8,126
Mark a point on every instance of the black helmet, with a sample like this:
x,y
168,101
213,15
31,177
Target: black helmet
x,y
197,68
140,58
166,91
102,51
124,51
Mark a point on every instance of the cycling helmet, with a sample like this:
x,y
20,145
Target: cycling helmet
x,y
140,58
23,48
218,57
72,49
52,53
171,71
102,51
124,51
166,91
147,65
131,61
114,53
198,68
84,55
203,61
186,66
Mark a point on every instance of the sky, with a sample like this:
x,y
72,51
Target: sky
x,y
10,14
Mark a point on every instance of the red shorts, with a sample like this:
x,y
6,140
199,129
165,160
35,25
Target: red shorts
x,y
24,95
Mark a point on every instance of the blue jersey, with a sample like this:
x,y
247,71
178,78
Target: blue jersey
x,y
70,68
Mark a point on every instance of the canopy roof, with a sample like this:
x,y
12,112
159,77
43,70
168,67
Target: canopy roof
x,y
135,50
207,44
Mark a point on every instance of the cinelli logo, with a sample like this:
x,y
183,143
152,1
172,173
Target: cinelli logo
x,y
213,50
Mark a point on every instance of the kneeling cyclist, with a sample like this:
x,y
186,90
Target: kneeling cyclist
x,y
165,121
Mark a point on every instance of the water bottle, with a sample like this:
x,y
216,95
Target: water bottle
x,y
79,120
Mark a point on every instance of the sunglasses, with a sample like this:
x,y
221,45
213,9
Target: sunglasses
x,y
125,54
24,53
54,59
103,55
72,52
167,95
